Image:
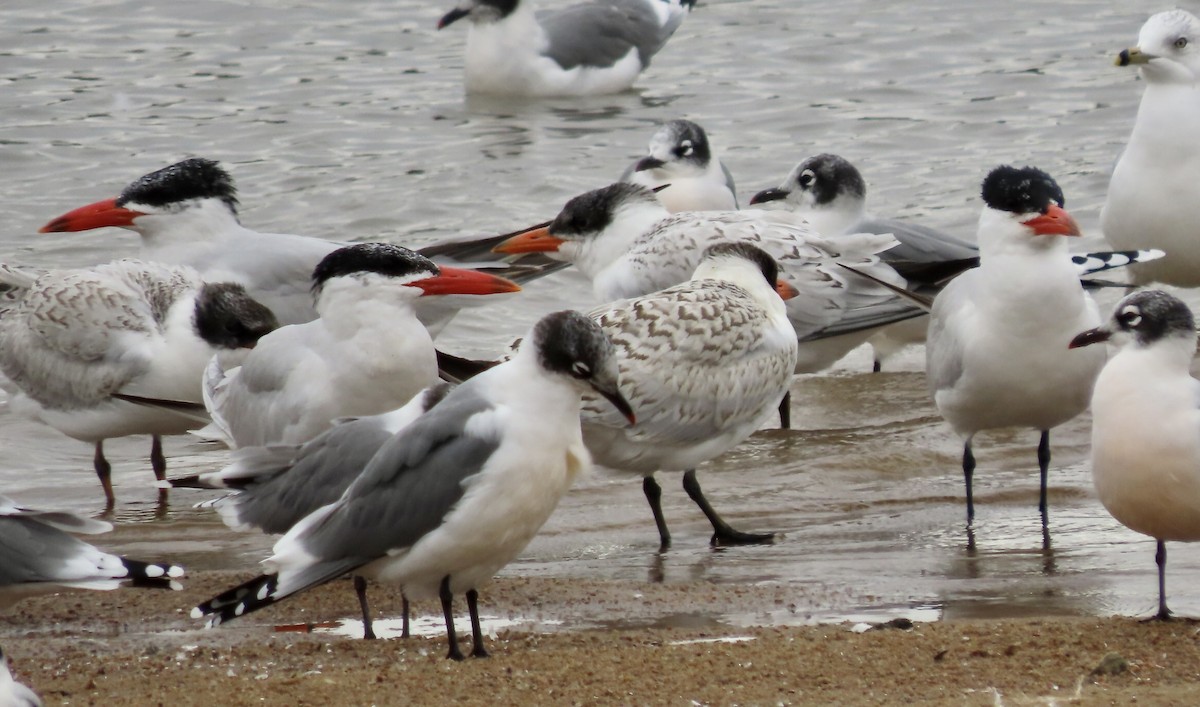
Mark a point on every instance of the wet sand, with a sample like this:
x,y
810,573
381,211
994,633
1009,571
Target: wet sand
x,y
636,643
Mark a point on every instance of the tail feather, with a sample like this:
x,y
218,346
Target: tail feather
x,y
153,576
266,589
241,600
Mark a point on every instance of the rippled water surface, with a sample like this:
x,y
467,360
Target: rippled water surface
x,y
347,120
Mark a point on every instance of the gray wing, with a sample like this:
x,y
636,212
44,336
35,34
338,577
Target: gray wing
x,y
918,243
599,34
68,522
414,480
729,183
944,346
319,474
32,552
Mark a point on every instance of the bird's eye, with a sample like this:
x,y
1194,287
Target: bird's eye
x,y
806,178
685,148
1181,43
580,370
1130,317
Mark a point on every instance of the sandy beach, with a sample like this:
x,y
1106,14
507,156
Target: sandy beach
x,y
638,644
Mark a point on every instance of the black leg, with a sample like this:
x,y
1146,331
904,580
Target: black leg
x,y
360,588
723,534
405,623
877,366
477,650
104,471
448,609
653,493
968,464
785,411
158,462
1043,466
1160,559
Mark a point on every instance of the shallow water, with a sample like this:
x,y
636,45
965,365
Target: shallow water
x,y
350,123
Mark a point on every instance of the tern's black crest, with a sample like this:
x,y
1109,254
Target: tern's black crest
x,y
828,176
229,318
1025,190
589,214
689,140
1153,315
380,258
751,252
195,178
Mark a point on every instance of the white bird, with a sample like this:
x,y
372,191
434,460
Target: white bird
x,y
681,167
590,48
13,693
277,486
997,351
456,495
186,214
366,353
626,242
1146,423
77,337
704,364
830,193
1152,195
39,556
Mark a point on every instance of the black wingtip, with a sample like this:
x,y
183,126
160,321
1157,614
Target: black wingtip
x,y
152,575
241,600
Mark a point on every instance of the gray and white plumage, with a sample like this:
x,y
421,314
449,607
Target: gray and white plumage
x,y
278,485
77,337
187,214
366,353
1152,194
704,363
589,48
454,496
681,166
1146,422
13,693
831,194
39,555
628,244
997,350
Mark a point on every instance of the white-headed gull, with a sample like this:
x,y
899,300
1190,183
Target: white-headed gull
x,y
187,214
1146,423
997,350
77,337
13,693
704,364
1152,195
681,167
457,494
38,555
590,48
366,353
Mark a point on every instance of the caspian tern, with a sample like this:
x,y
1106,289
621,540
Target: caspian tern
x,y
366,353
997,350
